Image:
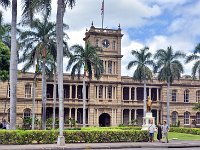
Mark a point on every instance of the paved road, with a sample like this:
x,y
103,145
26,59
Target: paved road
x,y
193,148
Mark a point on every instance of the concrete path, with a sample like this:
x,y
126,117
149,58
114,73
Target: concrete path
x,y
88,146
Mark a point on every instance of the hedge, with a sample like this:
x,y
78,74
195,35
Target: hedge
x,y
71,136
195,131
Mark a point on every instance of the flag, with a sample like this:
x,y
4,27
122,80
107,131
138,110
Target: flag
x,y
102,8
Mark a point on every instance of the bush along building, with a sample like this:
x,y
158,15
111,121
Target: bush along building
x,y
111,100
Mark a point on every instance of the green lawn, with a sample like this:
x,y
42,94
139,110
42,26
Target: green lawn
x,y
181,136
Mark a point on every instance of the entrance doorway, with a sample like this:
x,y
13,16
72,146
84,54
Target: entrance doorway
x,y
104,120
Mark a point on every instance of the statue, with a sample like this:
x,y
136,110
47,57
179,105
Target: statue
x,y
149,104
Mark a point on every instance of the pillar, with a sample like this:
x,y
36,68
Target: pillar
x,y
70,91
157,97
129,117
115,92
112,118
76,109
70,112
112,92
76,96
122,117
103,92
129,92
97,117
115,116
97,92
150,93
135,93
157,121
135,115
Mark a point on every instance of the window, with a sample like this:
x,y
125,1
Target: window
x,y
198,118
186,96
114,45
27,113
27,91
109,91
100,91
198,96
174,118
110,67
174,95
186,118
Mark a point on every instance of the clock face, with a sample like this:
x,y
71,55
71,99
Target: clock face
x,y
105,43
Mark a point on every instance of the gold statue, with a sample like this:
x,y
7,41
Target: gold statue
x,y
149,104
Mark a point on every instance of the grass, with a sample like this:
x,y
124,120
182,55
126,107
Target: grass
x,y
181,136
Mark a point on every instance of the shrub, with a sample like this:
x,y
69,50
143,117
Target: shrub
x,y
195,131
71,136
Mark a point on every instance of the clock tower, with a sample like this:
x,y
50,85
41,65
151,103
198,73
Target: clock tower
x,y
104,105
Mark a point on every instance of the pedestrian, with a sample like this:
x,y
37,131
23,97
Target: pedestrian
x,y
151,130
165,130
159,129
4,123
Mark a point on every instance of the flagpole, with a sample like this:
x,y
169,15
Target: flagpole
x,y
102,12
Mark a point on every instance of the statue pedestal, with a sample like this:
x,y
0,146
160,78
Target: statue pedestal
x,y
146,120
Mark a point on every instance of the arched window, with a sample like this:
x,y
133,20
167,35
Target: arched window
x,y
174,118
198,117
27,113
27,91
186,96
186,118
198,96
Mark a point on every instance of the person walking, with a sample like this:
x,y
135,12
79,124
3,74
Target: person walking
x,y
151,129
165,130
159,129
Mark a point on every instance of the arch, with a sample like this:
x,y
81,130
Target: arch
x,y
186,118
104,120
27,113
174,118
186,96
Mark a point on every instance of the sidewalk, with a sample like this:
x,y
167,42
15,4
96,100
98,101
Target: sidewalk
x,y
171,144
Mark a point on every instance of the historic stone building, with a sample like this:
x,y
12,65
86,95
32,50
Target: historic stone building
x,y
111,100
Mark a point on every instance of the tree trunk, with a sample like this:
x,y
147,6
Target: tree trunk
x,y
54,100
44,90
168,97
145,99
33,102
84,99
59,38
13,67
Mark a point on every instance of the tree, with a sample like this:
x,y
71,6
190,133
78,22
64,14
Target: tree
x,y
59,37
39,45
195,57
143,72
88,60
169,68
197,107
4,65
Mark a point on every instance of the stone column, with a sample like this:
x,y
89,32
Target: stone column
x,y
97,117
106,94
112,92
115,116
97,92
70,91
112,118
106,67
157,116
157,97
122,117
103,92
129,92
135,115
70,112
76,109
135,93
129,117
150,93
76,96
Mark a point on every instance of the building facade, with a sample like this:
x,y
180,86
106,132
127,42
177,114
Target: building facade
x,y
113,99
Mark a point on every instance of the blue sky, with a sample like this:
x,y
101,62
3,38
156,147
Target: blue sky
x,y
153,23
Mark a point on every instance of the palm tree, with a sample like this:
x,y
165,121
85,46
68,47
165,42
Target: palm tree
x,y
59,37
169,68
143,72
88,60
39,44
196,66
